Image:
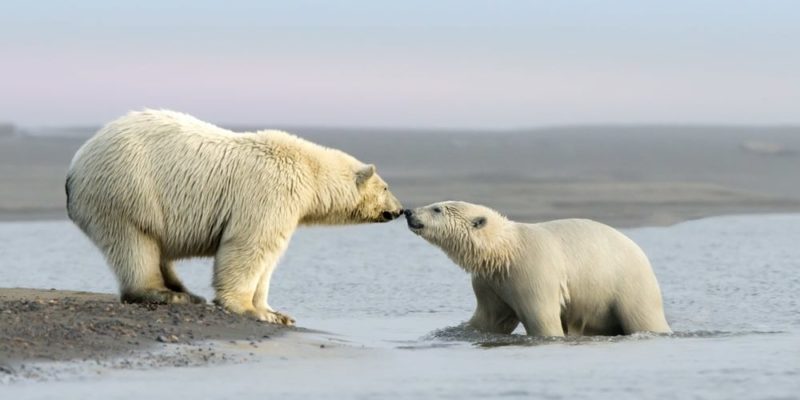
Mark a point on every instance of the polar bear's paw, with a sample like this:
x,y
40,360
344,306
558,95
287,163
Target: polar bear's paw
x,y
243,305
160,296
196,299
273,317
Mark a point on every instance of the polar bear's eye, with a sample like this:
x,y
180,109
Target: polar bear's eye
x,y
437,210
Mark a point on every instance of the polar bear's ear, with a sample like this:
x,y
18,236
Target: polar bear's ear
x,y
363,174
479,222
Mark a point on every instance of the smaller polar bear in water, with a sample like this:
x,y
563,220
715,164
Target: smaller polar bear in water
x,y
563,277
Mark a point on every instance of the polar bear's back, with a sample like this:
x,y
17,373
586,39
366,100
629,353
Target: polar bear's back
x,y
173,176
140,131
587,243
581,245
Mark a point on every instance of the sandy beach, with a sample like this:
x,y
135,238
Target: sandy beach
x,y
624,176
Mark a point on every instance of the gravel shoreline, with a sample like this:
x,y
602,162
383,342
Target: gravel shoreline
x,y
40,327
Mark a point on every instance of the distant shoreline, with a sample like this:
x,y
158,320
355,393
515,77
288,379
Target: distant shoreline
x,y
626,176
32,215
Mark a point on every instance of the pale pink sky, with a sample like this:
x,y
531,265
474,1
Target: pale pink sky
x,y
458,64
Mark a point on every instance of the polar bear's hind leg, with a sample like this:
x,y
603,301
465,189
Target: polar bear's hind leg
x,y
135,259
172,282
641,317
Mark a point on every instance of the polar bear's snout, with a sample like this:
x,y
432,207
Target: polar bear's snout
x,y
412,220
391,215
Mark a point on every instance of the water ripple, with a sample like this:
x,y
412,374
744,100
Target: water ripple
x,y
463,333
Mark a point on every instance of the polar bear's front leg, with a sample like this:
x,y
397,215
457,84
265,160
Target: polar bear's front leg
x,y
536,302
541,317
492,314
260,299
238,268
261,295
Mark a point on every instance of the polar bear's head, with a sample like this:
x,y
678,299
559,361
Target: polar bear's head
x,y
475,237
375,202
350,192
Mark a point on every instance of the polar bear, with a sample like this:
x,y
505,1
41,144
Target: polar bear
x,y
564,277
154,186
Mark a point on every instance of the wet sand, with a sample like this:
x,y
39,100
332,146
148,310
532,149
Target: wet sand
x,y
40,326
624,176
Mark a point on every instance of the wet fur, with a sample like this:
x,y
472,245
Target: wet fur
x,y
563,277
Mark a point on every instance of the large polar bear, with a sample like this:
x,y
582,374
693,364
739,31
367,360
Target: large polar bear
x,y
564,277
156,186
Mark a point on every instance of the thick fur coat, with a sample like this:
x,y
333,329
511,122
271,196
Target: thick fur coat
x,y
563,277
156,186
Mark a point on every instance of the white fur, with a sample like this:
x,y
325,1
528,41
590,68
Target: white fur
x,y
572,276
155,186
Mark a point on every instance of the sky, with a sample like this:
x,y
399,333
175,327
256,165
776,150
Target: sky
x,y
424,64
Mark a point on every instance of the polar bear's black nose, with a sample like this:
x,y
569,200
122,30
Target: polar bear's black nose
x,y
407,212
387,215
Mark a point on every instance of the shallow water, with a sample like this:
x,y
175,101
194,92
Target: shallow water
x,y
730,288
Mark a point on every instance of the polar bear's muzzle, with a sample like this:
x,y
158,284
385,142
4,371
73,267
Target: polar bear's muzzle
x,y
391,215
411,219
